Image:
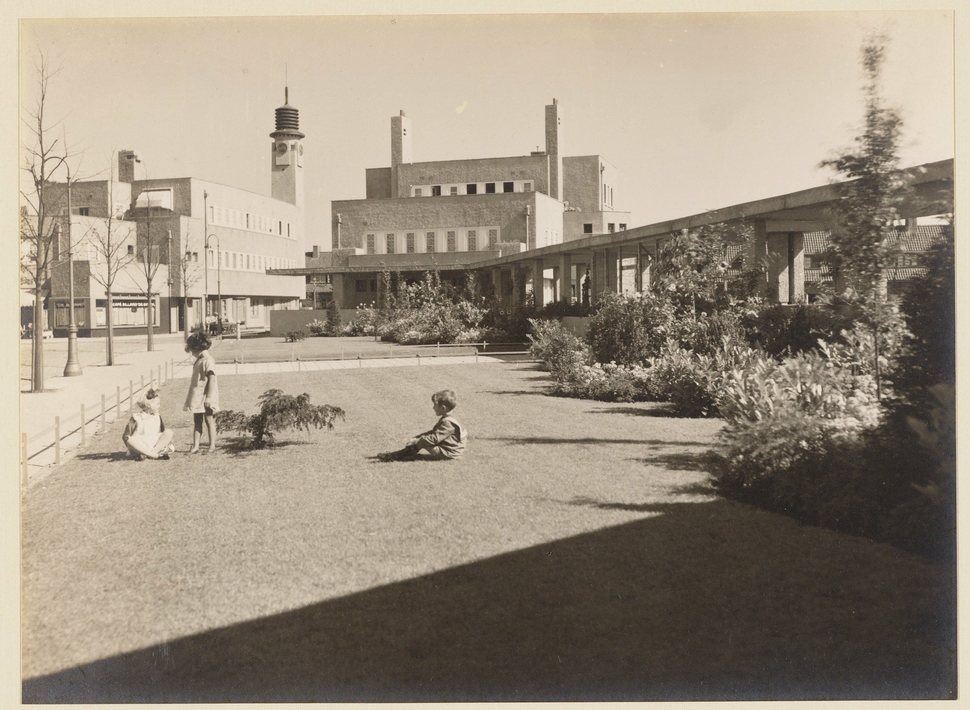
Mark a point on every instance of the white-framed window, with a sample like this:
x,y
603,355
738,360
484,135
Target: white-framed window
x,y
527,187
390,243
409,246
155,197
452,243
453,190
429,242
371,248
492,239
472,240
417,192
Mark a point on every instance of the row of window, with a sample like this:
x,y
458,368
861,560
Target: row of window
x,y
610,227
237,219
471,188
429,242
238,261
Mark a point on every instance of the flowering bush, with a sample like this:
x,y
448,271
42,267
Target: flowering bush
x,y
317,327
364,322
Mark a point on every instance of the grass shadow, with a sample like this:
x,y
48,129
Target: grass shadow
x,y
653,409
243,445
106,456
531,440
633,612
679,461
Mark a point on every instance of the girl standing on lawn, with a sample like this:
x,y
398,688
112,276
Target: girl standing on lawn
x,y
203,397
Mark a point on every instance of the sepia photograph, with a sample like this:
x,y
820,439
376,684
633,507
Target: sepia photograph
x,y
427,353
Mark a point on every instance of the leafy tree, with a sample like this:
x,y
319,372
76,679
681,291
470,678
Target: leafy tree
x,y
279,412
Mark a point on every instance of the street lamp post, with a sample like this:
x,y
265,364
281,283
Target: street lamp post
x,y
205,258
218,275
73,366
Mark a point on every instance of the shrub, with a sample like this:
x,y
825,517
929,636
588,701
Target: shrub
x,y
558,351
278,412
630,328
333,319
294,336
317,327
684,379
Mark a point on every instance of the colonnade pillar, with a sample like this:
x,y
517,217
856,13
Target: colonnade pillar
x,y
565,281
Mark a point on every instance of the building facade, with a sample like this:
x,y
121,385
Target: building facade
x,y
452,214
199,241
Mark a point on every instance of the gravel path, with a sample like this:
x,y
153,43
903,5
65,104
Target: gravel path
x,y
575,554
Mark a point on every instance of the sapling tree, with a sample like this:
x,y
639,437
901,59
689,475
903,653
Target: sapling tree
x,y
279,412
864,242
333,318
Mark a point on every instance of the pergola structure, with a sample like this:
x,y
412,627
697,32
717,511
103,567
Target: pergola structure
x,y
779,224
620,261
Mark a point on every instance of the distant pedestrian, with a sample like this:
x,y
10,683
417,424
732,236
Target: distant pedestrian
x,y
146,435
203,397
445,441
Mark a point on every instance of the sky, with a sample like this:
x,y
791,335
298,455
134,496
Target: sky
x,y
697,111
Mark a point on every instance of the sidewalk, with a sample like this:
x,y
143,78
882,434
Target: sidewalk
x,y
63,396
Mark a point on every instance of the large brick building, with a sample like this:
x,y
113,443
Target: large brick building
x,y
451,214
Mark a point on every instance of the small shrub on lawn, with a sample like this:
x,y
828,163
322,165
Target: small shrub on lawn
x,y
278,412
317,327
294,336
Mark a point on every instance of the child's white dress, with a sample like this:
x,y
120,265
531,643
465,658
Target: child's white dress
x,y
196,400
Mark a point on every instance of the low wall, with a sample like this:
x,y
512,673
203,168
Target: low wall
x,y
282,322
577,325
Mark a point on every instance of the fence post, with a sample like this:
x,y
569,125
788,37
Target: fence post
x,y
476,356
359,362
419,359
166,372
84,438
159,375
131,397
23,458
437,348
298,365
57,440
104,419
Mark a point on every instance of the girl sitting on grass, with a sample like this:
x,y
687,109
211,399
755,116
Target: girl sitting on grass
x,y
146,435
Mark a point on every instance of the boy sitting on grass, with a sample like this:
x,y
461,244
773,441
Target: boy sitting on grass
x,y
444,442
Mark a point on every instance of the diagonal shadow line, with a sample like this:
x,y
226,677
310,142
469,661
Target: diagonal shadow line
x,y
523,440
632,612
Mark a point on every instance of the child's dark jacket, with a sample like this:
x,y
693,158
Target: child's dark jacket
x,y
448,435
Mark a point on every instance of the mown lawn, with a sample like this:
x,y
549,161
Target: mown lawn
x,y
574,554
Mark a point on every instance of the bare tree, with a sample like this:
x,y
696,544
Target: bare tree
x,y
110,241
43,156
189,274
151,250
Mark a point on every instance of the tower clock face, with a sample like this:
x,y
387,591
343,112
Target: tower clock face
x,y
281,148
